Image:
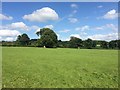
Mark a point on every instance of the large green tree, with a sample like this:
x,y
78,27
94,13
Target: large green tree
x,y
88,43
75,42
23,40
104,44
48,38
113,44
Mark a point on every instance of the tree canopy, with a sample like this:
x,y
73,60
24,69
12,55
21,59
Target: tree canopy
x,y
23,40
48,38
75,42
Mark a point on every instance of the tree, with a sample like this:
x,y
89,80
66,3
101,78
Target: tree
x,y
88,43
75,42
23,40
113,44
104,44
48,38
94,43
18,40
118,44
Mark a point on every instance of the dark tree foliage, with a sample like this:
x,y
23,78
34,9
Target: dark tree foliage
x,y
94,43
23,40
63,44
75,42
88,43
118,45
48,38
104,44
113,44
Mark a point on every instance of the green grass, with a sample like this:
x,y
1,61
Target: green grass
x,y
59,68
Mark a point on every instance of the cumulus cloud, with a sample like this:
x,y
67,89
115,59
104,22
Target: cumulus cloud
x,y
9,33
9,39
74,5
83,28
107,26
4,17
42,15
111,27
49,26
33,27
108,37
73,20
112,14
18,26
99,28
75,35
64,31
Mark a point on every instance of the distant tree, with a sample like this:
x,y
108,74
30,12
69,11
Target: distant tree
x,y
23,40
33,42
113,44
118,44
94,43
75,42
48,38
104,44
88,43
63,44
18,42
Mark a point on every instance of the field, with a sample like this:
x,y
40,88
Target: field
x,y
55,68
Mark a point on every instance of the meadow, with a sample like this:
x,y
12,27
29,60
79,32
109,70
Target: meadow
x,y
30,67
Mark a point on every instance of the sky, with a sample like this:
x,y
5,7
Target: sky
x,y
95,20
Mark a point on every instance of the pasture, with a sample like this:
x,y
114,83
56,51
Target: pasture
x,y
27,67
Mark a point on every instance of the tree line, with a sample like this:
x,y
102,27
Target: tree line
x,y
48,39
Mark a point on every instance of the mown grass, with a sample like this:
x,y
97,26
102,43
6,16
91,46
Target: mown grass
x,y
59,68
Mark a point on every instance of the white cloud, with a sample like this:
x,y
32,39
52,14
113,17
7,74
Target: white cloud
x,y
108,37
107,26
83,28
74,5
100,6
42,15
19,25
75,35
49,26
83,33
9,33
4,17
9,39
112,26
99,28
112,14
64,31
33,27
73,20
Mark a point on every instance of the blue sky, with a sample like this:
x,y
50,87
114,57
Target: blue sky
x,y
95,20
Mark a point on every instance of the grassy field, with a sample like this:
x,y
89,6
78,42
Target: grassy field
x,y
52,68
